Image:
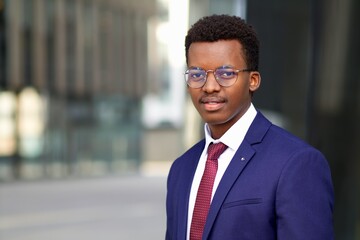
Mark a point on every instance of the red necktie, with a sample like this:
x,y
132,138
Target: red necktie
x,y
203,198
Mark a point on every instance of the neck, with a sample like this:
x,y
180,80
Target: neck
x,y
216,132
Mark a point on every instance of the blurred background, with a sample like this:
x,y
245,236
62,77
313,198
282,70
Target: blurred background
x,y
93,106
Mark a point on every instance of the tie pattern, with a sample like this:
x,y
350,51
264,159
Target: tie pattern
x,y
203,198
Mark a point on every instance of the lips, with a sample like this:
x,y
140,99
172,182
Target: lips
x,y
212,103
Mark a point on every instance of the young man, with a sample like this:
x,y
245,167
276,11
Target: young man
x,y
266,184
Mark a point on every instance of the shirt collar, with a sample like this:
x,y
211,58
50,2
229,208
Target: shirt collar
x,y
236,134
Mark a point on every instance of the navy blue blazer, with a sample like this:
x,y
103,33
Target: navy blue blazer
x,y
276,187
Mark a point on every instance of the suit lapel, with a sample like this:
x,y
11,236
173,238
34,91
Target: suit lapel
x,y
242,157
192,157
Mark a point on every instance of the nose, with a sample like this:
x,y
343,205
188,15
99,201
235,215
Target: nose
x,y
211,85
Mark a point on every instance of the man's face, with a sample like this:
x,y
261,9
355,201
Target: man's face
x,y
221,106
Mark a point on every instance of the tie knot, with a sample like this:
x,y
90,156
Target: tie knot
x,y
215,150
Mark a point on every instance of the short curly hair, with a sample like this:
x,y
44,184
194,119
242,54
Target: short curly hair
x,y
224,27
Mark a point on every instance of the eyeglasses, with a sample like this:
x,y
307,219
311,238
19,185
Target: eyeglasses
x,y
226,76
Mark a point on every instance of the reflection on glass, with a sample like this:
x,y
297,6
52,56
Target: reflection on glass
x,y
7,124
31,123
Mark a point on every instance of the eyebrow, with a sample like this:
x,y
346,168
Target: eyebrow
x,y
222,66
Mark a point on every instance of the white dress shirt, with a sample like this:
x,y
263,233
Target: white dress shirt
x,y
233,139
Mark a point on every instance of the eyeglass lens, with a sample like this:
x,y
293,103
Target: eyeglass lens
x,y
225,76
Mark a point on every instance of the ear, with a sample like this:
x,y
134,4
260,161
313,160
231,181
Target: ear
x,y
255,80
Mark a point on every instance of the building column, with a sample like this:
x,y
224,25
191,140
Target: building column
x,y
14,43
95,49
39,46
79,48
60,48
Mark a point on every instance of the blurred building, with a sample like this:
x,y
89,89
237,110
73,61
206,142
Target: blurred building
x,y
74,75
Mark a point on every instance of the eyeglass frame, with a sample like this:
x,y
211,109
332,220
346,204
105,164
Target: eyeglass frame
x,y
216,77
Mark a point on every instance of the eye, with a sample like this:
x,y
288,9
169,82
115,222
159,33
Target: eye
x,y
196,75
226,73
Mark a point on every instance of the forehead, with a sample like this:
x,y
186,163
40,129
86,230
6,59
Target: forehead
x,y
215,54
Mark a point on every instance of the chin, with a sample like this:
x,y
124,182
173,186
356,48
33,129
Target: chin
x,y
214,121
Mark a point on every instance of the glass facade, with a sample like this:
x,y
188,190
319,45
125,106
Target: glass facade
x,y
309,57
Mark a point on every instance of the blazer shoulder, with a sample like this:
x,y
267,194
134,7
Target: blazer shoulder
x,y
262,127
263,132
192,154
283,136
195,149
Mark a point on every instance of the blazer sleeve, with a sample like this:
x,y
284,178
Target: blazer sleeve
x,y
305,198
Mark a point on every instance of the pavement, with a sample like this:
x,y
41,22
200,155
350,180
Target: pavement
x,y
108,208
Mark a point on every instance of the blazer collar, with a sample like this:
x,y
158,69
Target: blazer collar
x,y
258,129
243,155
